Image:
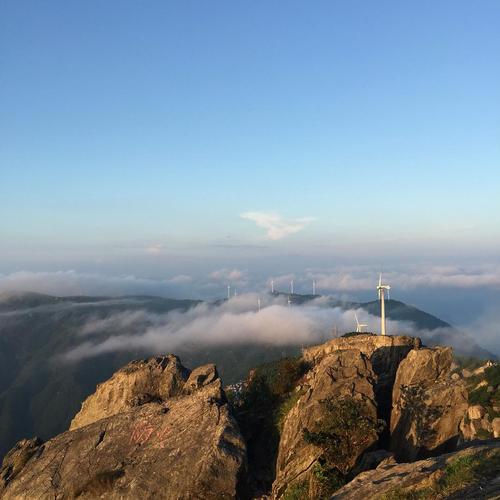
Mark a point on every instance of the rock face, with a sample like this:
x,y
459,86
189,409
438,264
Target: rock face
x,y
339,373
428,405
384,352
424,478
139,382
181,447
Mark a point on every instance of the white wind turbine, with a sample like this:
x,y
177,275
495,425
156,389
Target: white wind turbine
x,y
359,326
381,296
291,287
228,292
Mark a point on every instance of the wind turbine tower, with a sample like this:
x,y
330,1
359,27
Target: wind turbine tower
x,y
359,326
228,291
291,287
314,287
381,296
272,287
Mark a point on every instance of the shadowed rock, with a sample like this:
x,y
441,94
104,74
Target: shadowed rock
x,y
346,373
385,352
428,405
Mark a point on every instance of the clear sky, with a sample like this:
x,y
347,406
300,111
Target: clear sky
x,y
131,130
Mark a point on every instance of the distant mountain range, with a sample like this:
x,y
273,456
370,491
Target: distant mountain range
x,y
39,394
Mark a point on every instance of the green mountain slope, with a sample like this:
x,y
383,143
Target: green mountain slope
x,y
39,394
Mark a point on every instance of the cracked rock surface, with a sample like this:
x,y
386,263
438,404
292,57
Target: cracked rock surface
x,y
174,447
340,373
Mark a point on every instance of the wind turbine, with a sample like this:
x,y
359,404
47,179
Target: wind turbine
x,y
359,326
381,296
314,287
228,292
291,287
272,287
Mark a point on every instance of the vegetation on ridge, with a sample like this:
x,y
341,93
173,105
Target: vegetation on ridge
x,y
344,431
458,475
260,409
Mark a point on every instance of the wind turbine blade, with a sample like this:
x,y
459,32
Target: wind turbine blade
x,y
356,316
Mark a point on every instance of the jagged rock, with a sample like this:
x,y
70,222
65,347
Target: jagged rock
x,y
428,405
17,458
187,447
203,375
404,480
339,373
475,412
372,459
385,352
137,383
495,424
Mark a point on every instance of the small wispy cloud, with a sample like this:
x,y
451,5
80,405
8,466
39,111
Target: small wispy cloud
x,y
275,225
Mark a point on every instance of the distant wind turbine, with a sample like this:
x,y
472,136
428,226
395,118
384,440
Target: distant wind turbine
x,y
381,296
314,287
272,287
291,287
359,326
228,291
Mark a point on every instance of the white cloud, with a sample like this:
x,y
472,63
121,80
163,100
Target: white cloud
x,y
236,321
412,277
276,226
181,278
225,275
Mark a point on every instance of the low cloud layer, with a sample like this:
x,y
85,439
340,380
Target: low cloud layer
x,y
237,321
276,226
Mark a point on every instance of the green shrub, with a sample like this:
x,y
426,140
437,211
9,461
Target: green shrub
x,y
492,375
459,472
480,396
344,431
297,491
327,480
284,408
458,475
355,334
260,410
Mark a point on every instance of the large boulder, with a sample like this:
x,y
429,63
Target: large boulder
x,y
137,383
340,374
428,405
182,447
385,352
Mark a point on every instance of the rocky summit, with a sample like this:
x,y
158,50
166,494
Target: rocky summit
x,y
360,416
134,440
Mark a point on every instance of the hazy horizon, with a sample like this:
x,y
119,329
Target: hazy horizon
x,y
177,148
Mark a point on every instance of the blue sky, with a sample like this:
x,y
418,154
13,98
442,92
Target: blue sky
x,y
134,135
